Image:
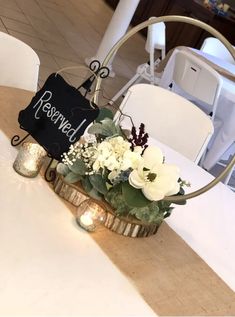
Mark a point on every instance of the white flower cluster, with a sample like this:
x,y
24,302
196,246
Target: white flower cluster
x,y
87,152
115,155
155,178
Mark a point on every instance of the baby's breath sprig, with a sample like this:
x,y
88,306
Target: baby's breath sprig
x,y
85,151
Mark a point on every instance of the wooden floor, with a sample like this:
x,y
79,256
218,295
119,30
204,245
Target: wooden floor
x,y
65,32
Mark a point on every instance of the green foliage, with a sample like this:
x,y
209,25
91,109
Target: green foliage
x,y
144,210
95,194
78,167
62,169
165,207
104,113
133,197
86,184
72,177
124,198
106,128
89,189
115,198
155,212
98,183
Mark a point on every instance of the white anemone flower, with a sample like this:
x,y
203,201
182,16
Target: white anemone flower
x,y
153,177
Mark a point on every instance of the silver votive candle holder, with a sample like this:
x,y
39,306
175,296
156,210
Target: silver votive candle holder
x,y
90,215
29,159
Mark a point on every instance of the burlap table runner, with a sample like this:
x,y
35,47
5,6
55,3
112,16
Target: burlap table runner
x,y
222,71
168,274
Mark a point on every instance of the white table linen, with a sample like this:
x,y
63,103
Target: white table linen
x,y
206,222
48,265
225,133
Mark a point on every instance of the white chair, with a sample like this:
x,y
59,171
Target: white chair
x,y
213,46
156,40
226,157
197,81
19,64
169,118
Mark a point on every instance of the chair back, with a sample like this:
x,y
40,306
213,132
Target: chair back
x,y
156,38
19,63
197,79
213,46
168,118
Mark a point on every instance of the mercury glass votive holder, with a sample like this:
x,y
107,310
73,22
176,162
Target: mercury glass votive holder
x,y
29,159
90,215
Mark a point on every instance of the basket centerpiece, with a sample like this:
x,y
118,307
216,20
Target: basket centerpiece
x,y
119,169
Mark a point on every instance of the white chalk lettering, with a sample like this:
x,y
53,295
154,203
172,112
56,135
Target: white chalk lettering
x,y
60,116
72,138
66,128
53,117
56,117
51,112
40,101
46,107
63,123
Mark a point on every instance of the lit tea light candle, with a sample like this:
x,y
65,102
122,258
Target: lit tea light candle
x,y
29,159
86,221
90,215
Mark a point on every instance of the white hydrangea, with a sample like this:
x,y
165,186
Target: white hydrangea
x,y
115,155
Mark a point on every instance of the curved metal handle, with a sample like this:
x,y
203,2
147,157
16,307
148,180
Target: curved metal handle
x,y
204,26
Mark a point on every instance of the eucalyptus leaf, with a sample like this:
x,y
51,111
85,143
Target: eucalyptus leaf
x,y
133,196
72,177
62,169
106,128
86,184
78,167
95,128
95,194
148,214
99,183
104,113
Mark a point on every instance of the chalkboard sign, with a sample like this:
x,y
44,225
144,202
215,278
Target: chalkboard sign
x,y
57,116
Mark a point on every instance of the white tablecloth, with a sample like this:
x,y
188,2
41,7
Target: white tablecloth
x,y
225,134
206,222
48,265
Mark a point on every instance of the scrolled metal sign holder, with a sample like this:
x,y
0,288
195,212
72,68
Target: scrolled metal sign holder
x,y
195,22
98,71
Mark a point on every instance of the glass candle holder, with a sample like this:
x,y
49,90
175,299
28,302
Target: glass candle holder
x,y
90,215
29,159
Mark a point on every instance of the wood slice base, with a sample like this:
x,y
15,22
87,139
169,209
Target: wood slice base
x,y
125,226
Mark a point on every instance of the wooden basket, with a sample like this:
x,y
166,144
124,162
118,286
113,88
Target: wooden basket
x,y
126,226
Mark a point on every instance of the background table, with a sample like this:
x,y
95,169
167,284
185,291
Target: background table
x,y
49,266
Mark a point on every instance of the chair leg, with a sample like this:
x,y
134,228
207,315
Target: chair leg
x,y
202,158
228,176
124,88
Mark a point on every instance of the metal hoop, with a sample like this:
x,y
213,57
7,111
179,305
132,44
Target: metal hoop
x,y
204,26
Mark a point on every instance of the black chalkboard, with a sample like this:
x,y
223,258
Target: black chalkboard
x,y
57,116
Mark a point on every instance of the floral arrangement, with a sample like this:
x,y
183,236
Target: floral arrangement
x,y
122,170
